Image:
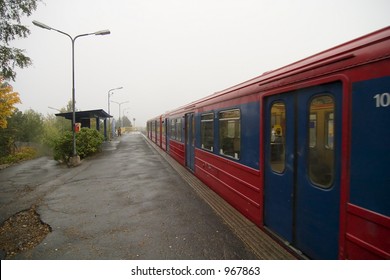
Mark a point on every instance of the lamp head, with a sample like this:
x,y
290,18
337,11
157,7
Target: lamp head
x,y
102,32
41,25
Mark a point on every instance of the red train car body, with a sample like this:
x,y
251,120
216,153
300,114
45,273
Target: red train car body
x,y
302,151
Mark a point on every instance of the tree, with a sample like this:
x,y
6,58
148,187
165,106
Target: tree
x,y
31,128
11,28
23,129
8,98
126,122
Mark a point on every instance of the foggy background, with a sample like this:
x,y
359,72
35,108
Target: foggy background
x,y
166,53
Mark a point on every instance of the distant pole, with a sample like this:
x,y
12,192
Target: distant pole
x,y
126,110
109,94
120,103
108,107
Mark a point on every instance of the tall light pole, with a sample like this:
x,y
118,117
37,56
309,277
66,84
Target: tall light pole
x,y
75,158
120,103
110,92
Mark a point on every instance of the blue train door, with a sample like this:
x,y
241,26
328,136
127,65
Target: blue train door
x,y
302,168
190,140
278,168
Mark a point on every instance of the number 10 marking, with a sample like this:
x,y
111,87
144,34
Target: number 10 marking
x,y
382,100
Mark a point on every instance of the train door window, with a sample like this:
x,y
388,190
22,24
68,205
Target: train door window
x,y
229,133
329,130
321,155
313,130
178,129
207,131
278,141
173,129
187,131
163,128
193,131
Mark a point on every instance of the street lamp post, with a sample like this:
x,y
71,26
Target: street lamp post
x,y
108,108
120,103
75,158
54,109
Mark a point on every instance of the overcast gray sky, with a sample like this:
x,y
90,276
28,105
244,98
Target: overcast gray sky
x,y
166,53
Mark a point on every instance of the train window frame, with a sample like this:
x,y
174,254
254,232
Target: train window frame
x,y
320,171
163,128
158,128
203,123
173,129
313,130
179,129
231,134
278,159
329,131
153,129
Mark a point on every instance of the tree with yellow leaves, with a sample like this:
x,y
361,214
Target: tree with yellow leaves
x,y
8,99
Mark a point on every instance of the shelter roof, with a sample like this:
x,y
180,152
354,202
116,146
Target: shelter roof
x,y
100,113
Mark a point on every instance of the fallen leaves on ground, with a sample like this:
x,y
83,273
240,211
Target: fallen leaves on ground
x,y
21,232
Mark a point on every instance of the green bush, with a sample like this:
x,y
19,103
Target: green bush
x,y
88,142
63,146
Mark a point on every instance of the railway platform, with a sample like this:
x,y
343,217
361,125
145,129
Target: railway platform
x,y
131,202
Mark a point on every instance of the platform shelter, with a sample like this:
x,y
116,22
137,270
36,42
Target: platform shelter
x,y
84,118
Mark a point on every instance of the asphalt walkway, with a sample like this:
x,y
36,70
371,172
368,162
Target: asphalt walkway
x,y
129,202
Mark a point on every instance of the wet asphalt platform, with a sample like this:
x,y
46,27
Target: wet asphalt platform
x,y
130,202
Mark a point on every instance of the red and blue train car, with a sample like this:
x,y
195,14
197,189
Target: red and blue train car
x,y
302,151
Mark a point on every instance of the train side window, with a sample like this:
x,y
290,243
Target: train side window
x,y
229,133
207,131
163,128
321,155
173,129
278,141
178,129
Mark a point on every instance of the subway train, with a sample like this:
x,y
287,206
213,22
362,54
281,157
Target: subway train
x,y
302,151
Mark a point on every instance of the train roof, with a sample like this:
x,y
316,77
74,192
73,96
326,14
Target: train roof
x,y
329,56
343,54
